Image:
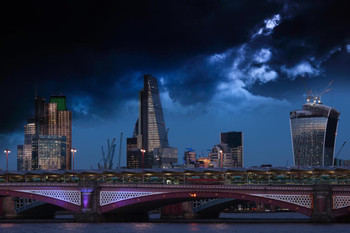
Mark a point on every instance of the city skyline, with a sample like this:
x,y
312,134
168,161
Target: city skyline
x,y
221,67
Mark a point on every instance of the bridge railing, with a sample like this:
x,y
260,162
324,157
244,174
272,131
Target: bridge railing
x,y
225,177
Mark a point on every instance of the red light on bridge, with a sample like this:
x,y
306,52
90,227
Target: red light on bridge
x,y
193,194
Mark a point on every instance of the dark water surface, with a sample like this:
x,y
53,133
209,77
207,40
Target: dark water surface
x,y
172,228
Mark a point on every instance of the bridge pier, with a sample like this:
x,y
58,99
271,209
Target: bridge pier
x,y
322,204
90,202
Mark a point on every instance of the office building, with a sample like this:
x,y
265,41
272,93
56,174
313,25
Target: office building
x,y
313,130
221,156
235,141
133,154
150,131
60,123
190,158
49,152
50,119
165,157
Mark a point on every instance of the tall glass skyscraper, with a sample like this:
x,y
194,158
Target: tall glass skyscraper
x,y
150,131
314,129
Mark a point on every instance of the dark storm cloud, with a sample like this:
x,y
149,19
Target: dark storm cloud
x,y
311,29
90,50
96,51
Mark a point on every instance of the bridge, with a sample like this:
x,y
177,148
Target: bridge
x,y
323,194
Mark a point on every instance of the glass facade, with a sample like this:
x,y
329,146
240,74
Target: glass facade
x,y
24,152
153,129
150,129
64,128
313,132
49,152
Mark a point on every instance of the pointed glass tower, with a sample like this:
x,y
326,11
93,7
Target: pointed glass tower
x,y
150,129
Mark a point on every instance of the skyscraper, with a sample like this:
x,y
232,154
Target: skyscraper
x,y
235,142
60,123
313,130
150,131
47,137
24,152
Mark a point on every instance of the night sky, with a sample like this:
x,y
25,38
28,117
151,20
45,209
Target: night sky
x,y
221,66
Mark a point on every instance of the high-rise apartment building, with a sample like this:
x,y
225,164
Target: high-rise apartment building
x,y
47,137
313,130
235,141
150,131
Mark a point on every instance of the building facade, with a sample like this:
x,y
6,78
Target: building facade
x,y
235,141
190,158
221,156
165,157
49,152
133,154
313,130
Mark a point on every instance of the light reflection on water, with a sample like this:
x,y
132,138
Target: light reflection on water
x,y
172,228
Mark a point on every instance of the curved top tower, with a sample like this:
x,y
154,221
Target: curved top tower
x,y
313,130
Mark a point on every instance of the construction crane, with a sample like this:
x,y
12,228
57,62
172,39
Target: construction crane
x,y
120,149
327,89
341,148
314,96
107,160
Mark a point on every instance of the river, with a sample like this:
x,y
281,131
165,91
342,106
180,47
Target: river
x,y
171,228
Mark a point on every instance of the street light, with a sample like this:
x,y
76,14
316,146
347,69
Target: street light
x,y
7,151
143,160
73,150
221,159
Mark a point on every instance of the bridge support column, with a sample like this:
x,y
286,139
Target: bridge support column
x,y
322,204
8,207
90,202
